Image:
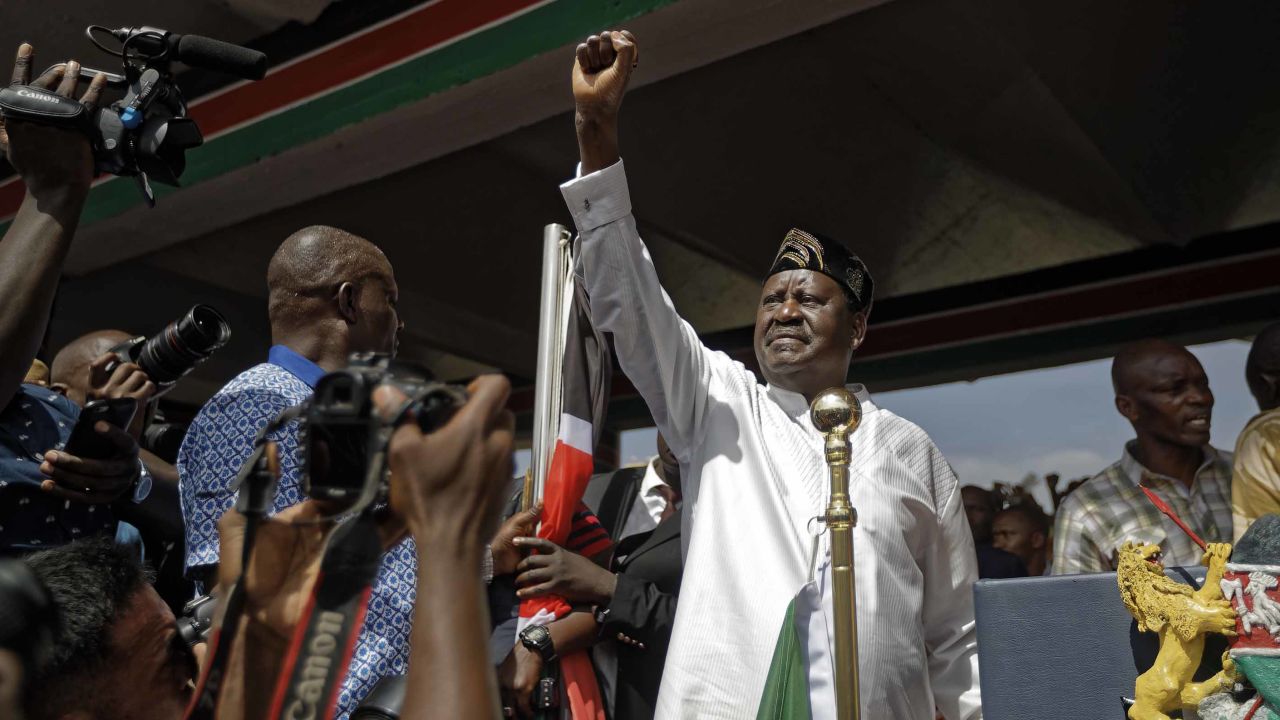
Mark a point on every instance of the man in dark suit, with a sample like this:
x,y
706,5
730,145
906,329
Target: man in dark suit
x,y
635,604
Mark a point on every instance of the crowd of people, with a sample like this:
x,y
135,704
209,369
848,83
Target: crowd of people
x,y
409,606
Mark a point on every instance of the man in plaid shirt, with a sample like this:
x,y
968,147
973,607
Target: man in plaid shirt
x,y
1164,393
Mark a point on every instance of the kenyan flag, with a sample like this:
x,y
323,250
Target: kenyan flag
x,y
791,690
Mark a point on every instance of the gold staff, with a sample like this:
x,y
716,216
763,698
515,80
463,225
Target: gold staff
x,y
836,413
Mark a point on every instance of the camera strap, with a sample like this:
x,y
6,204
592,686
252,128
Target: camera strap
x,y
325,639
23,102
256,491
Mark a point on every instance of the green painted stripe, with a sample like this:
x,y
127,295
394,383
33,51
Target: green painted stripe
x,y
482,54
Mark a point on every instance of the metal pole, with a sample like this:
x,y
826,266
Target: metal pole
x,y
836,414
546,396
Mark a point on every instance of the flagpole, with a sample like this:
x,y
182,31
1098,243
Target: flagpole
x,y
546,397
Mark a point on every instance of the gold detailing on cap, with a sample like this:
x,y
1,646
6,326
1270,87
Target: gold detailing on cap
x,y
797,246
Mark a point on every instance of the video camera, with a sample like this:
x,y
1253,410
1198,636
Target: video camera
x,y
175,351
344,439
146,133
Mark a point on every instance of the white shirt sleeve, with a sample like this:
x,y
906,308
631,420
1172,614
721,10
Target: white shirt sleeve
x,y
950,631
659,352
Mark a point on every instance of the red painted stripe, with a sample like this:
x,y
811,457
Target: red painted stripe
x,y
1036,313
344,61
350,59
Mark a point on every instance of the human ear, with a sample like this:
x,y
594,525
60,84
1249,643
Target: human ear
x,y
348,295
859,330
1127,407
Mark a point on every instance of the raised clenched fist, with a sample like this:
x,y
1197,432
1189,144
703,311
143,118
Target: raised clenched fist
x,y
600,73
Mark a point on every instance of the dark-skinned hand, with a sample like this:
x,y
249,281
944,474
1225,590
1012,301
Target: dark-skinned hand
x,y
448,486
518,677
126,380
50,158
93,481
601,69
505,553
556,571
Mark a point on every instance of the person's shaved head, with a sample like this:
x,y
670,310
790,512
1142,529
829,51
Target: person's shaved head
x,y
69,372
1163,391
325,280
1262,369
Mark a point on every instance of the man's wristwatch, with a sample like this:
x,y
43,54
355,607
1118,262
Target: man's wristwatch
x,y
538,639
141,485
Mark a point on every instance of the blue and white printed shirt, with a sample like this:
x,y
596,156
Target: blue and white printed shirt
x,y
34,421
217,444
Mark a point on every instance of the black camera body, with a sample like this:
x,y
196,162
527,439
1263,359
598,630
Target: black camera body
x,y
196,621
146,133
177,349
343,439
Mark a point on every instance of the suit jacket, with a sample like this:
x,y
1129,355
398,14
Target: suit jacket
x,y
644,607
610,496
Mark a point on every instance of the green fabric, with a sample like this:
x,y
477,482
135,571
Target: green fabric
x,y
786,689
1264,674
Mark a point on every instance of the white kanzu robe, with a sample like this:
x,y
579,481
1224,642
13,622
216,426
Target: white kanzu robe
x,y
753,476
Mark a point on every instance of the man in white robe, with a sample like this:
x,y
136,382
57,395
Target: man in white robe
x,y
753,467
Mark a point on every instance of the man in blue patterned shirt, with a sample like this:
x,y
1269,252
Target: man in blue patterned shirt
x,y
330,294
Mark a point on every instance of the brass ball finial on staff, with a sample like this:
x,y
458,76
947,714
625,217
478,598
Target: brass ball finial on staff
x,y
836,413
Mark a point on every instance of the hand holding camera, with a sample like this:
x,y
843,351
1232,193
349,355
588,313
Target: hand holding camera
x,y
448,485
110,379
48,157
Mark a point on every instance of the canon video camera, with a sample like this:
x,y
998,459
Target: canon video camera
x,y
146,133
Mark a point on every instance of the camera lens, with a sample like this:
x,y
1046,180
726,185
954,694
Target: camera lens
x,y
172,353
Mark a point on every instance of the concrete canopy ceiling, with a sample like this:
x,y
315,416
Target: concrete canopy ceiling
x,y
948,142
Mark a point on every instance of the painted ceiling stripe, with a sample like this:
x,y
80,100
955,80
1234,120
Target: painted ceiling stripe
x,y
430,48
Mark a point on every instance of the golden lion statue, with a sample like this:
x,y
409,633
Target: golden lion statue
x,y
1182,617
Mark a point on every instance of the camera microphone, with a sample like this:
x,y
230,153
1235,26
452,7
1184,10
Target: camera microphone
x,y
197,51
221,56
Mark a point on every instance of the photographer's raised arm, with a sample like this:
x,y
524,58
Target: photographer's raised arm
x,y
57,167
448,487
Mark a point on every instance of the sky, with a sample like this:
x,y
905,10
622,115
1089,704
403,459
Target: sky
x,y
1053,420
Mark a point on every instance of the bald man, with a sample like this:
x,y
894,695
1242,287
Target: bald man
x,y
79,371
1163,392
1255,485
330,293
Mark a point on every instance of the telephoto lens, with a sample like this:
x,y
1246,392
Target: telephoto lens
x,y
183,344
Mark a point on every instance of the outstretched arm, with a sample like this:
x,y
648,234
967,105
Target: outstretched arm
x,y
57,167
659,352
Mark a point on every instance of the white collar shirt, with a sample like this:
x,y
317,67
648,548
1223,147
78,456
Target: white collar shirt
x,y
646,511
753,476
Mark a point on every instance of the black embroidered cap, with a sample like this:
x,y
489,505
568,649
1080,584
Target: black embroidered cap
x,y
802,250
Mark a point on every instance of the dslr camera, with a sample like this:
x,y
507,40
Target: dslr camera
x,y
146,132
174,351
344,439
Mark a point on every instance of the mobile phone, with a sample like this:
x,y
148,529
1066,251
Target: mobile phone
x,y
89,443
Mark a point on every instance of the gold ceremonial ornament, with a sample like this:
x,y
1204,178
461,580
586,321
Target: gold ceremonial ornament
x,y
836,413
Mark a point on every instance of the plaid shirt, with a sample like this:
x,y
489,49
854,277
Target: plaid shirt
x,y
1110,510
